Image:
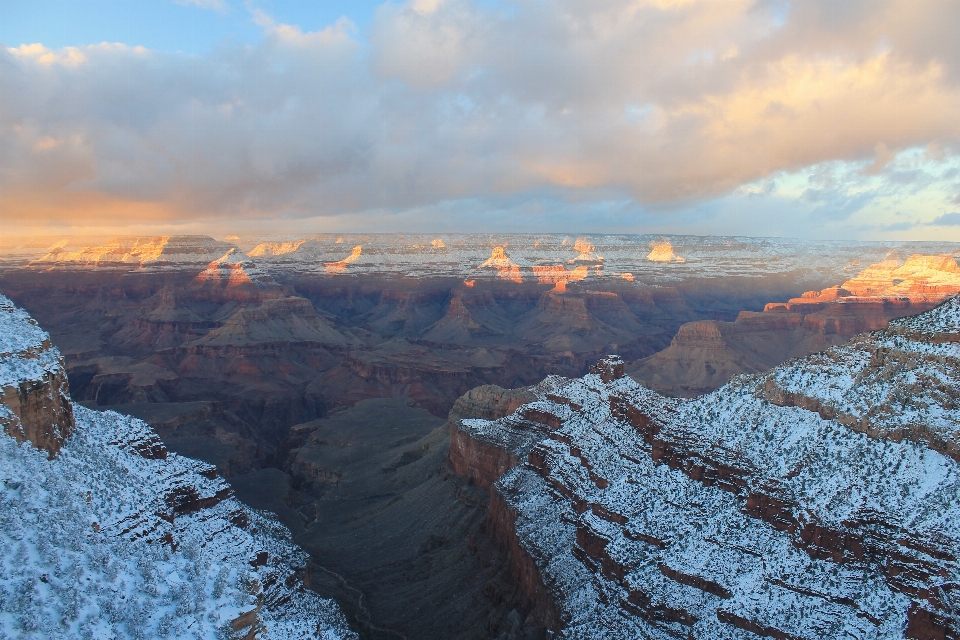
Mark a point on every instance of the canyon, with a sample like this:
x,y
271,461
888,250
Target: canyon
x,y
328,379
223,352
704,355
819,500
106,533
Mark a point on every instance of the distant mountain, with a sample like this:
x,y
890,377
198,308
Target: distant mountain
x,y
130,251
106,534
820,500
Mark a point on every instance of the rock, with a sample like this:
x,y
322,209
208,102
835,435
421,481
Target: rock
x,y
108,503
482,462
124,252
706,354
810,502
609,368
34,394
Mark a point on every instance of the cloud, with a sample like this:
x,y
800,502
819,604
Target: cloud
x,y
662,103
947,219
899,226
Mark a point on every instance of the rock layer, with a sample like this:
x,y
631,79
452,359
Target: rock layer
x,y
127,529
34,394
741,514
706,354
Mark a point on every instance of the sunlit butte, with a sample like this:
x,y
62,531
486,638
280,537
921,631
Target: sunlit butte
x,y
802,119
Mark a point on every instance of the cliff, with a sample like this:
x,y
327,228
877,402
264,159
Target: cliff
x,y
483,457
107,534
706,354
818,501
133,252
34,394
470,457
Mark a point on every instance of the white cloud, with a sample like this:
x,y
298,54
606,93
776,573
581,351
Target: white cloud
x,y
664,103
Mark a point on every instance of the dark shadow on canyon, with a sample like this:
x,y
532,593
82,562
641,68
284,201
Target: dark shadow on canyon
x,y
325,401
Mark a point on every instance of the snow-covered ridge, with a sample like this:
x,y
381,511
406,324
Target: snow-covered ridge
x,y
115,537
731,516
943,321
901,382
25,349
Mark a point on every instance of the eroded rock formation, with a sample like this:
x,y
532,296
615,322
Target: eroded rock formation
x,y
706,354
34,394
748,510
92,522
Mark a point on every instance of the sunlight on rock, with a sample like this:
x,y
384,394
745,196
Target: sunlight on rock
x,y
662,251
341,265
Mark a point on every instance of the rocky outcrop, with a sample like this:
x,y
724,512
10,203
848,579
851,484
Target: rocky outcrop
x,y
742,511
506,268
109,503
481,462
920,276
34,394
706,354
490,402
41,411
234,278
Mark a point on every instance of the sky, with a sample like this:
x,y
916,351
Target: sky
x,y
816,119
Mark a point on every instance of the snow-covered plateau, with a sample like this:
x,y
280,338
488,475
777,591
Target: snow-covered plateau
x,y
820,500
516,257
106,534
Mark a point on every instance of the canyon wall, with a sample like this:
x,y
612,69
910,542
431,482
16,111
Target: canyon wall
x,y
704,355
829,512
34,394
113,530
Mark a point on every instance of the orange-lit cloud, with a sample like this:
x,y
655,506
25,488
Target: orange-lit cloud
x,y
662,103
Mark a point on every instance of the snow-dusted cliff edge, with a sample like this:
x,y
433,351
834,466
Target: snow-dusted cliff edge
x,y
104,534
821,500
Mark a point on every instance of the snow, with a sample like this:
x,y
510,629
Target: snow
x,y
92,544
945,319
880,484
81,552
460,255
901,382
25,352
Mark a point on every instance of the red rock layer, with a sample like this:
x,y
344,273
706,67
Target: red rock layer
x,y
44,415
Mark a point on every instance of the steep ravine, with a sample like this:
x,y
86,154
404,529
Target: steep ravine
x,y
402,542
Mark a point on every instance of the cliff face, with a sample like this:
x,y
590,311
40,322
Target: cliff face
x,y
482,462
482,458
704,355
818,501
114,535
34,395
